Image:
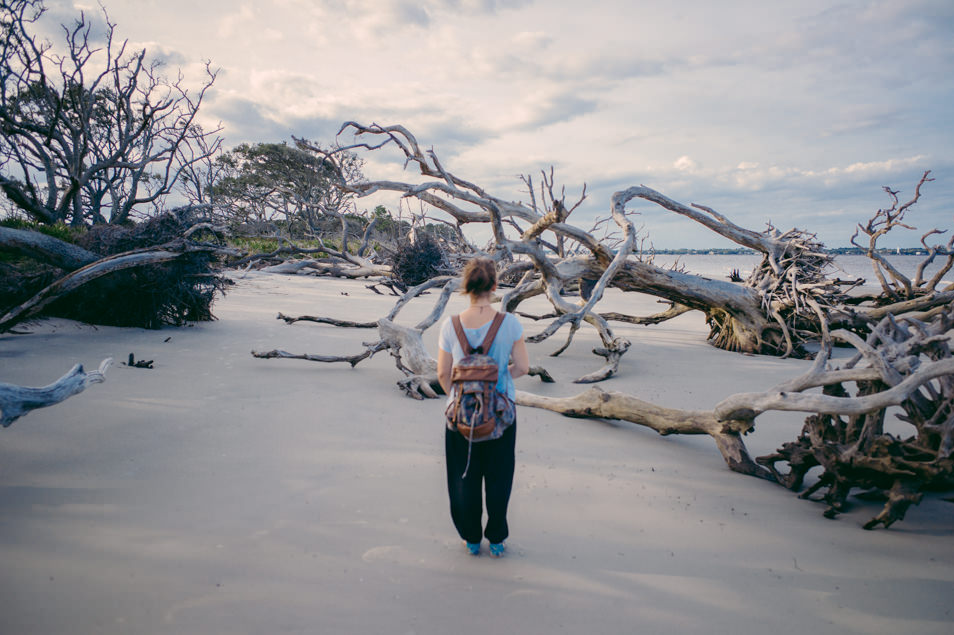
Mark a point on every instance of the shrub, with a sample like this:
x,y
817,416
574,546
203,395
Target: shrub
x,y
417,262
150,296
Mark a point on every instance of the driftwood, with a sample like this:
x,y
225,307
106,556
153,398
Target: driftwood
x,y
132,362
772,312
895,286
45,248
904,363
596,403
16,401
326,320
405,344
341,264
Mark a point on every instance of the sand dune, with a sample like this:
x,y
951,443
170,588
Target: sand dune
x,y
218,493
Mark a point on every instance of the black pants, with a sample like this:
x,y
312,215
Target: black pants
x,y
491,464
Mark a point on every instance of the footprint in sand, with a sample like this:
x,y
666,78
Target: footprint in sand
x,y
386,553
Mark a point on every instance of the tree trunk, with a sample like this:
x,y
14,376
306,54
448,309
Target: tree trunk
x,y
44,248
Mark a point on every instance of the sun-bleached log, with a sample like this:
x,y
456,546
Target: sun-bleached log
x,y
16,401
326,320
597,403
331,269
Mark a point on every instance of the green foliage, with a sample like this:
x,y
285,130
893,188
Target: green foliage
x,y
257,245
387,228
385,222
277,183
62,231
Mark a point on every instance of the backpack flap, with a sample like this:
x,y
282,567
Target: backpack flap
x,y
483,372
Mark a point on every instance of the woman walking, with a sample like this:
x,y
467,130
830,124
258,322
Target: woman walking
x,y
486,465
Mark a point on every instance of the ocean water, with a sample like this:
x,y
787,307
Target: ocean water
x,y
846,267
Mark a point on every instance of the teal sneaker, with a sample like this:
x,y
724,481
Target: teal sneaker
x,y
473,548
497,549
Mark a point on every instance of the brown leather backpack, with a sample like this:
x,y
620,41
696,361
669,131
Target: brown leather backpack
x,y
478,411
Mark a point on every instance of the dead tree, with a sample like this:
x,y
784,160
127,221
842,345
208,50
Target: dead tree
x,y
404,343
153,273
903,363
105,266
16,401
777,310
900,293
329,261
770,313
90,132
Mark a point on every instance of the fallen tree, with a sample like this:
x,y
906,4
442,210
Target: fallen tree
x,y
146,275
770,313
905,363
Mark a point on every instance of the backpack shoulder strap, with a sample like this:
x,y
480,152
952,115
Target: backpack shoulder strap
x,y
459,329
492,333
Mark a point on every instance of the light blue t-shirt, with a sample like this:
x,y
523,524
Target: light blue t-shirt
x,y
510,331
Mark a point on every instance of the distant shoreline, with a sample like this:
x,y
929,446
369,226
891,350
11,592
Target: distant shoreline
x,y
838,251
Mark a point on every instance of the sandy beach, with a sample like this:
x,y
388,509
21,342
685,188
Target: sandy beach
x,y
219,493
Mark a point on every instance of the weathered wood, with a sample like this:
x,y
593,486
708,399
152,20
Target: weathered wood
x,y
755,404
895,286
44,248
675,310
327,320
351,359
906,364
16,401
596,403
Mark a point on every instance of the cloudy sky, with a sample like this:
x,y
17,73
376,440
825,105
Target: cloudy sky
x,y
794,112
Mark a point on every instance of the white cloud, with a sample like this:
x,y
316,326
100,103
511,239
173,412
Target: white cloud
x,y
798,108
532,39
230,24
685,164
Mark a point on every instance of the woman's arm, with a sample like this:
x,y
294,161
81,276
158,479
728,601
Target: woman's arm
x,y
519,359
445,361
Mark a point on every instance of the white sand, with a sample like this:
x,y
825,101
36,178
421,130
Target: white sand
x,y
219,493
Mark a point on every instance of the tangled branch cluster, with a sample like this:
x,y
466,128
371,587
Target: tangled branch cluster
x,y
854,449
795,288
